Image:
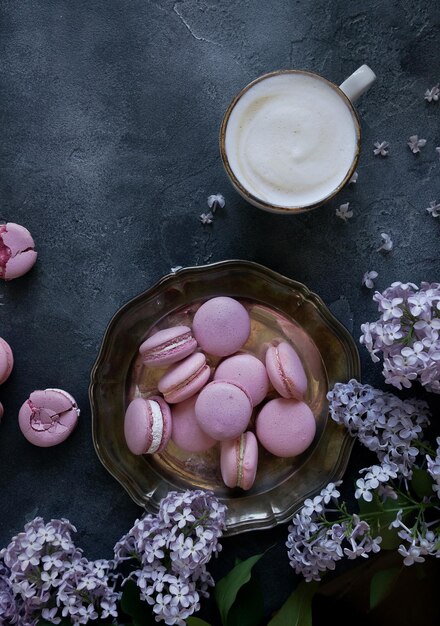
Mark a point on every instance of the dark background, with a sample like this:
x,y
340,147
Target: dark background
x,y
110,114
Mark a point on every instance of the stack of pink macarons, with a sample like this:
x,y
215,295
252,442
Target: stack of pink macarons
x,y
197,406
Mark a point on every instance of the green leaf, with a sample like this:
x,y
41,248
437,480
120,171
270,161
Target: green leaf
x,y
248,608
196,621
421,483
381,585
297,610
132,605
228,587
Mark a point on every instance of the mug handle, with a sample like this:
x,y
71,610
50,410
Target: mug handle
x,y
358,83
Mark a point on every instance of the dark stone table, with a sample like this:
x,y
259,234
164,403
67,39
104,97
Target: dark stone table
x,y
110,118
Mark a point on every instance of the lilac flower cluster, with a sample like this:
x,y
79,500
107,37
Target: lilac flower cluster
x,y
49,577
381,421
420,541
433,468
407,334
376,477
170,551
315,543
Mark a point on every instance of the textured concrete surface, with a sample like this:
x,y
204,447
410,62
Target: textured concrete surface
x,y
110,116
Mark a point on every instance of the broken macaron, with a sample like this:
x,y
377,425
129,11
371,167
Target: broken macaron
x,y
17,251
48,417
6,361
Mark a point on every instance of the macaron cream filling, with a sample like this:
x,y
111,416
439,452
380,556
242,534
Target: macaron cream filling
x,y
289,388
186,382
156,427
168,346
240,470
5,252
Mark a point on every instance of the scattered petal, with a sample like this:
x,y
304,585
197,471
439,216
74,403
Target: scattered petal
x,y
368,278
387,243
382,148
434,208
438,150
215,201
432,94
176,268
343,212
414,143
206,218
354,178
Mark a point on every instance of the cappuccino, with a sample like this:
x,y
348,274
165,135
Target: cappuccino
x,y
291,139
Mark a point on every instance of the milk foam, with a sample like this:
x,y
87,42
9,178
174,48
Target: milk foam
x,y
291,140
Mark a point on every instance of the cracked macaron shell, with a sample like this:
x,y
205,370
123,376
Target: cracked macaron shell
x,y
239,461
139,425
6,360
168,346
184,379
17,251
221,326
48,417
285,427
286,372
223,409
186,433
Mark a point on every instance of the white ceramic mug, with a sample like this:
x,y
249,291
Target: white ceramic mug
x,y
290,140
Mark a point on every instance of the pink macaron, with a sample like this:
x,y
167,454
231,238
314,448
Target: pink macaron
x,y
248,371
186,433
185,379
221,326
17,251
48,417
285,427
239,460
2,411
147,425
6,360
223,409
168,346
286,371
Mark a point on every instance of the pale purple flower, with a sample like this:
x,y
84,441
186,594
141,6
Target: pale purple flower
x,y
383,423
387,243
381,148
368,278
434,208
414,144
216,201
169,552
407,335
353,180
206,218
363,490
343,212
432,94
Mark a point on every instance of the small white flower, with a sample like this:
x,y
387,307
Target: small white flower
x,y
414,143
363,490
206,218
343,212
354,178
381,148
434,208
312,506
215,201
412,555
387,243
432,94
368,278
